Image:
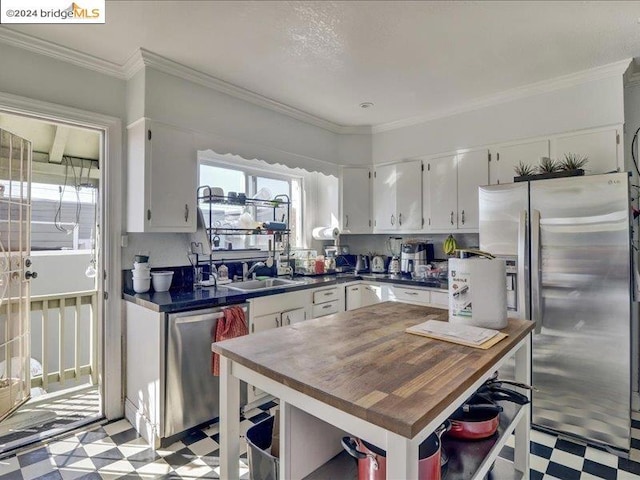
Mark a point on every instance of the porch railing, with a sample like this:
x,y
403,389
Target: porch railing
x,y
60,303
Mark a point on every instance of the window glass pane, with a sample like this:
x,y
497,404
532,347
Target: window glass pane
x,y
229,180
224,215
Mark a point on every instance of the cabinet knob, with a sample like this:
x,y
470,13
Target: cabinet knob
x,y
393,219
277,322
400,219
451,217
346,221
29,275
148,214
186,212
463,217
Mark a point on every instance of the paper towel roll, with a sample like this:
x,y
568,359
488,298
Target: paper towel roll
x,y
477,292
325,233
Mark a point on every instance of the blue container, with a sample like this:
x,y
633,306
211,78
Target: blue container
x,y
262,465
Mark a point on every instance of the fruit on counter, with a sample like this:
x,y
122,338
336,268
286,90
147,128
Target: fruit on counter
x,y
450,245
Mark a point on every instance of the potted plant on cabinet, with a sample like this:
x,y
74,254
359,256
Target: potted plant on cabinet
x,y
571,166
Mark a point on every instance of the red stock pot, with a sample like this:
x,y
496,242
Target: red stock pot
x,y
372,461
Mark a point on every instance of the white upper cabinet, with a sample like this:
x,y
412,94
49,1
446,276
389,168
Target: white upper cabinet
x,y
473,172
506,158
355,200
409,195
441,179
397,194
451,190
384,198
601,148
162,177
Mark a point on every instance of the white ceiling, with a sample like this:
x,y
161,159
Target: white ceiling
x,y
411,59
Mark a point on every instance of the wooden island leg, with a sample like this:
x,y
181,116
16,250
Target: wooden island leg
x,y
402,458
229,422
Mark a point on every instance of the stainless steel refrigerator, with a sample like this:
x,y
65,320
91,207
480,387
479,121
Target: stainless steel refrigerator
x,y
569,244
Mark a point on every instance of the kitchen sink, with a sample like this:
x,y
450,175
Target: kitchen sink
x,y
267,284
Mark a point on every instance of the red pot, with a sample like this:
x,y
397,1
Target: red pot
x,y
372,461
474,422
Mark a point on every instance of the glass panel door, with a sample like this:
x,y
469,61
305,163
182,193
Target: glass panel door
x,y
15,219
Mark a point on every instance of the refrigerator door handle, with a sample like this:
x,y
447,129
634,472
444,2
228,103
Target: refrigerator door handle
x,y
522,260
536,286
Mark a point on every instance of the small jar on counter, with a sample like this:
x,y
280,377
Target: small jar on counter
x,y
319,264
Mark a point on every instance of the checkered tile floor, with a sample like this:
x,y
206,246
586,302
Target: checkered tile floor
x,y
115,451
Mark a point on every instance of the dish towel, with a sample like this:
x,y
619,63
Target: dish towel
x,y
232,324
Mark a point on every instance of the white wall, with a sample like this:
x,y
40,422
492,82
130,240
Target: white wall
x,y
587,105
230,125
354,149
43,78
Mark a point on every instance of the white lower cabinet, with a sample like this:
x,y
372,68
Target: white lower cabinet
x,y
327,301
290,317
362,295
353,297
265,322
419,296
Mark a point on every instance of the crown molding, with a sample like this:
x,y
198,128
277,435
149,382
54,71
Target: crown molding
x,y
544,86
58,52
145,58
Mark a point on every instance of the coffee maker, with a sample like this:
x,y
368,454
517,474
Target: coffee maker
x,y
414,254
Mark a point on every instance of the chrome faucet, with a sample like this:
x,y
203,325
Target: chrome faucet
x,y
252,269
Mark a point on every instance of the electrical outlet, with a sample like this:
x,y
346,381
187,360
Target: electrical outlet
x,y
124,241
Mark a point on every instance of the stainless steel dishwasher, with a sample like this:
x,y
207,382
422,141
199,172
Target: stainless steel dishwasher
x,y
192,392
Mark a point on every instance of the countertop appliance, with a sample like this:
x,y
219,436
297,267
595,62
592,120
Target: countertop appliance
x,y
568,243
377,264
362,263
394,244
191,391
414,254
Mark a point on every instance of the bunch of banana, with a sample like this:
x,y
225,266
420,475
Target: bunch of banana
x,y
450,245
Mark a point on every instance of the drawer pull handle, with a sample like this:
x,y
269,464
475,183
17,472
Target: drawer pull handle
x,y
328,293
411,293
326,306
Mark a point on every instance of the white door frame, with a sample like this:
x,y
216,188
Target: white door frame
x,y
110,333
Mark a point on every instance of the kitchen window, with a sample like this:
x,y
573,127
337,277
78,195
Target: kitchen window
x,y
254,183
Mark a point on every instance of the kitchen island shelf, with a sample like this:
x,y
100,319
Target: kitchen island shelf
x,y
467,459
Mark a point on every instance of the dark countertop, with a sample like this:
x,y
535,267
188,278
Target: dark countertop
x,y
176,300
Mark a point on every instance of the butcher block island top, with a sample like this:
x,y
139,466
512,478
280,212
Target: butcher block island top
x,y
364,363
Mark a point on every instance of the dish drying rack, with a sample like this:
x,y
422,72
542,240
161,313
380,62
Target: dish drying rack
x,y
278,230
